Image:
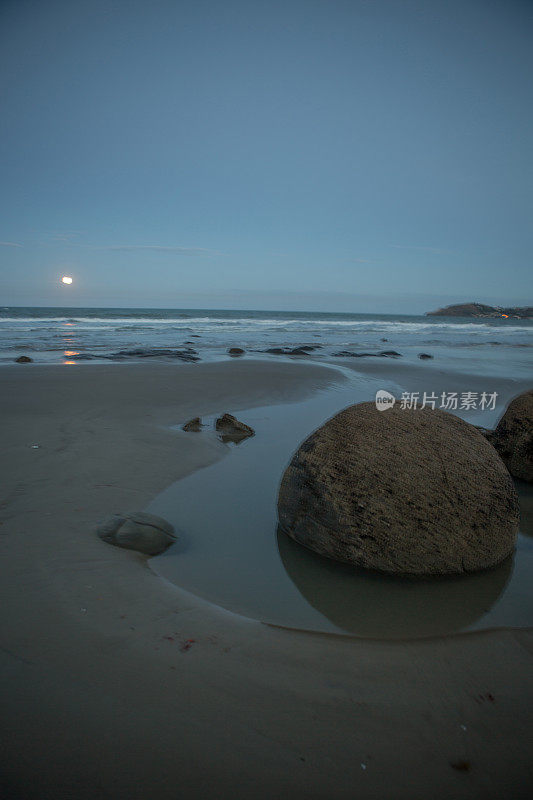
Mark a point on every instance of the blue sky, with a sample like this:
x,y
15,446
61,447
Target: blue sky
x,y
364,155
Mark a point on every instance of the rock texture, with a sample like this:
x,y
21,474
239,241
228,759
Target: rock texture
x,y
193,425
417,492
146,533
350,354
236,351
24,360
513,437
424,356
232,429
482,310
188,354
301,350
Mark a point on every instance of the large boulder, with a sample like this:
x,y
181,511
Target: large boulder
x,y
138,530
513,437
417,492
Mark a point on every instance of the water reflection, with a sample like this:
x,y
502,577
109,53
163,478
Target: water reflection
x,y
232,554
67,354
373,605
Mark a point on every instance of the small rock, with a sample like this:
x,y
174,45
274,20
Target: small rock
x,y
232,428
137,530
301,350
349,354
236,351
390,354
184,355
24,360
193,425
424,355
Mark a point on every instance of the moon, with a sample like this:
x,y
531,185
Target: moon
x,y
66,279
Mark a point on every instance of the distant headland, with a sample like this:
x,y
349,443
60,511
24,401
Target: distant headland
x,y
481,310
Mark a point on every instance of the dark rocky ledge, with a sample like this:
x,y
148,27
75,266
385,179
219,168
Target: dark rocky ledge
x,y
481,310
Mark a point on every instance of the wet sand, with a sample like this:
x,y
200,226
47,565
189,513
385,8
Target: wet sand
x,y
117,684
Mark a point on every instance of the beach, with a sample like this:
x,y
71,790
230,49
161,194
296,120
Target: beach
x,y
118,684
266,401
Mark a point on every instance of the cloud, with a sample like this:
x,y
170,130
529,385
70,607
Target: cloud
x,y
158,248
10,244
63,236
419,247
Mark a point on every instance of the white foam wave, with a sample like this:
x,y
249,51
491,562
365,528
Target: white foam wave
x,y
375,325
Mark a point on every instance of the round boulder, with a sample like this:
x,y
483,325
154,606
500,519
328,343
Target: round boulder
x,y
513,437
146,533
414,492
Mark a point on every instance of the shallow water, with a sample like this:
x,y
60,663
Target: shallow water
x,y
231,553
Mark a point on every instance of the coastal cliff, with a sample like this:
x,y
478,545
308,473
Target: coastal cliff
x,y
481,310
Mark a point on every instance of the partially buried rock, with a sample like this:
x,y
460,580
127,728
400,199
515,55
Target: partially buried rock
x,y
350,354
24,360
233,429
193,425
301,350
146,533
513,437
236,351
424,356
383,354
184,355
414,492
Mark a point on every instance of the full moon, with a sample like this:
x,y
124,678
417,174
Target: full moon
x,y
66,279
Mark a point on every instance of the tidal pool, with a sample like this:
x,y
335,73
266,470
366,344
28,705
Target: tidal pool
x,y
231,553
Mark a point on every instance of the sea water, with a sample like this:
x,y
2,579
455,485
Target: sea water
x,y
499,347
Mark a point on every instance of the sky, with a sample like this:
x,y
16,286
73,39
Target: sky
x,y
370,155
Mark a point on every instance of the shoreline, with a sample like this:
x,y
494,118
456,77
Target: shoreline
x,y
102,696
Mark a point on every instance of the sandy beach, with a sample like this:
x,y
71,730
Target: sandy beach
x,y
118,684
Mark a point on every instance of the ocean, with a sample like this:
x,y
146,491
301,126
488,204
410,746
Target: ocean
x,y
79,335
